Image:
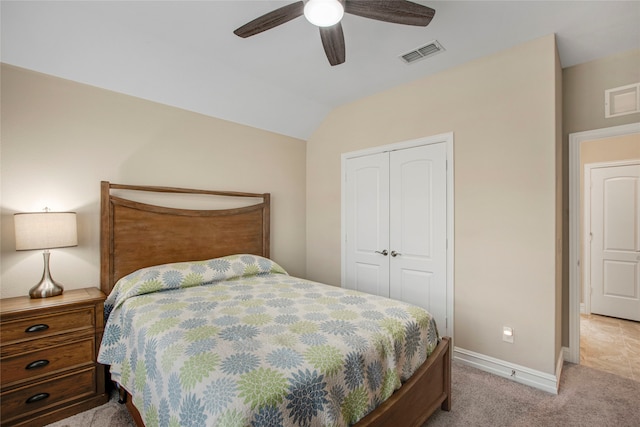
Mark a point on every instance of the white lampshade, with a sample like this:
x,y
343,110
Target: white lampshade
x,y
323,13
45,230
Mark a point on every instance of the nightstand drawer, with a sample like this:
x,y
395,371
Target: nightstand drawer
x,y
20,402
48,360
50,324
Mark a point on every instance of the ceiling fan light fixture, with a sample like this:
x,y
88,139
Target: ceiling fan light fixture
x,y
323,13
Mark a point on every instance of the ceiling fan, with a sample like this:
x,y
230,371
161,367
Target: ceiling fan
x,y
326,14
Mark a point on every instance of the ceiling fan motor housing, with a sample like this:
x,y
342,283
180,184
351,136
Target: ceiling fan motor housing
x,y
323,13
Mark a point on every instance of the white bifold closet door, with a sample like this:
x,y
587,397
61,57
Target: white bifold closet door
x,y
396,230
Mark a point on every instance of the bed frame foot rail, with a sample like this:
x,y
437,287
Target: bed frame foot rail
x,y
427,390
122,394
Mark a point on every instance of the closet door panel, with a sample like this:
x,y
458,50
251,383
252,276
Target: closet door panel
x,y
367,224
416,288
417,231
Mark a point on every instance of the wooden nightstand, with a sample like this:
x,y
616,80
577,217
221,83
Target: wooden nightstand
x,y
48,350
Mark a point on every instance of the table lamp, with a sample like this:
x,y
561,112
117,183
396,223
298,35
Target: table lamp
x,y
45,230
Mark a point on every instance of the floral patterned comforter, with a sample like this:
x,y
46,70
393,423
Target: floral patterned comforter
x,y
236,341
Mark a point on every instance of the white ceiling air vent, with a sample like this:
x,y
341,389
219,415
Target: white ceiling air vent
x,y
622,100
422,52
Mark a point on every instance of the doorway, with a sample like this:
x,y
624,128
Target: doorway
x,y
577,142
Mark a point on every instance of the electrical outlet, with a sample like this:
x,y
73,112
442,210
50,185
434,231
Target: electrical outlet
x,y
507,334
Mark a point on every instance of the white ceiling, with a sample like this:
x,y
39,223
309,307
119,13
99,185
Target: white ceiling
x,y
185,53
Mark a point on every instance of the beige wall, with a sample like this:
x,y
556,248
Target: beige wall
x,y
503,112
583,109
584,86
625,147
61,138
558,207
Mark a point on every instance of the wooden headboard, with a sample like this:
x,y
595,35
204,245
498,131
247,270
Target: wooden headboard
x,y
135,235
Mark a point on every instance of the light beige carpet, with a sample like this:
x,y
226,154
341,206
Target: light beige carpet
x,y
587,398
111,414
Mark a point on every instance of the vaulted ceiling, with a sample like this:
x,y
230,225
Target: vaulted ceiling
x,y
185,54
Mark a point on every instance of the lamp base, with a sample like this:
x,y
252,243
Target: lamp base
x,y
47,287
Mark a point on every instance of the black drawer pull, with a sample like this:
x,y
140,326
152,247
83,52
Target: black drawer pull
x,y
37,364
37,397
37,328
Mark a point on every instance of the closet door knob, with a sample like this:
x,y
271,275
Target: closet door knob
x,y
384,252
395,254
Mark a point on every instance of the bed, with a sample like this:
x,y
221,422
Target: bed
x,y
204,328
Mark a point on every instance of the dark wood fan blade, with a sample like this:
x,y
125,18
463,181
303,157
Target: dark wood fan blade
x,y
333,42
395,11
271,20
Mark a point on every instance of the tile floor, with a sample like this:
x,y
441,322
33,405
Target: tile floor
x,y
610,344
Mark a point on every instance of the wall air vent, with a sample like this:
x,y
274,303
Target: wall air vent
x,y
622,100
422,52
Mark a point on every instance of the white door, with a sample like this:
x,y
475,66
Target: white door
x,y
615,241
396,225
367,224
418,232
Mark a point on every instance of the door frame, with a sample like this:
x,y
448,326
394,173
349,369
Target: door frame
x,y
447,139
575,140
586,215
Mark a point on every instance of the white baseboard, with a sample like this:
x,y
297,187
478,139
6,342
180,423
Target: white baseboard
x,y
566,354
511,371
